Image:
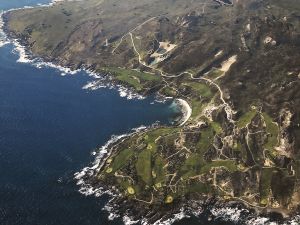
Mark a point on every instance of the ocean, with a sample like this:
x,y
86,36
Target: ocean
x,y
49,128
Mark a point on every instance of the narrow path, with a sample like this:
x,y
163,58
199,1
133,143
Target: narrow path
x,y
121,40
229,111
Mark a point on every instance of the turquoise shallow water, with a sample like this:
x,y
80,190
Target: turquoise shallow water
x,y
49,126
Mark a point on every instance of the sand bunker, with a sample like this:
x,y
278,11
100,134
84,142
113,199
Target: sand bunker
x,y
228,63
162,52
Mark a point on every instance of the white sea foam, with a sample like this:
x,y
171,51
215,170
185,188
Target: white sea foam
x,y
260,221
20,50
227,213
51,3
107,82
234,215
124,92
294,221
25,57
86,189
112,214
129,221
176,217
64,70
99,82
3,37
93,74
129,94
98,163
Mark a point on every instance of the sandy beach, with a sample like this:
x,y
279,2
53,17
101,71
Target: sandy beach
x,y
186,110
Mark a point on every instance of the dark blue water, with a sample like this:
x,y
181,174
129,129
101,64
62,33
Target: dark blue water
x,y
10,4
48,127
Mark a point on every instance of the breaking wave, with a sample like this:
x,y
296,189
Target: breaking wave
x,y
106,82
98,82
3,37
235,215
245,217
103,153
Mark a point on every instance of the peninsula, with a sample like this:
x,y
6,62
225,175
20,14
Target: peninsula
x,y
233,66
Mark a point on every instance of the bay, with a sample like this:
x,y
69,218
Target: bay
x,y
49,126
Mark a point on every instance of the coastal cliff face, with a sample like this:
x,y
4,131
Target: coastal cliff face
x,y
238,67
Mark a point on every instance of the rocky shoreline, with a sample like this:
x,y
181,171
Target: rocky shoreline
x,y
193,204
103,79
207,208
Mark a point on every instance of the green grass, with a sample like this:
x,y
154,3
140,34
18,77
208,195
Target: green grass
x,y
123,183
121,159
217,127
154,134
237,147
197,107
195,165
290,5
273,131
230,165
207,136
144,166
191,166
159,170
133,78
169,92
265,184
51,25
199,188
246,118
201,95
200,89
296,166
214,73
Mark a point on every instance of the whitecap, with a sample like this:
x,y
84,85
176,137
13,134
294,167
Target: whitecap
x,y
99,82
98,163
129,221
227,213
176,217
